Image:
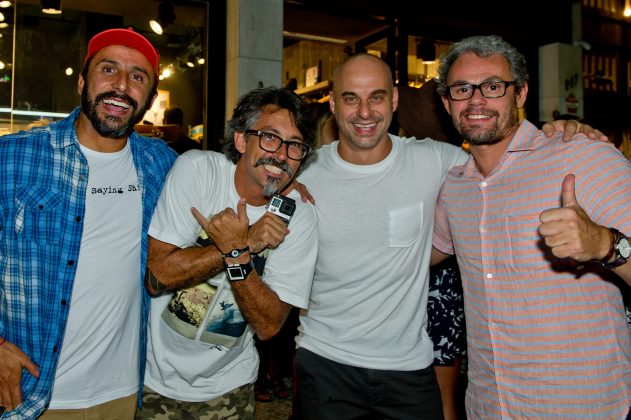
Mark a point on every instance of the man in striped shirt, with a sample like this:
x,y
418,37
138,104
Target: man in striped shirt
x,y
546,329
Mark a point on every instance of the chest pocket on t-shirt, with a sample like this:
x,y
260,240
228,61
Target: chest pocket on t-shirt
x,y
404,225
36,211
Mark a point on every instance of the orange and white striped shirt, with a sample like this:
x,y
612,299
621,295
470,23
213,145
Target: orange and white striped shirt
x,y
544,341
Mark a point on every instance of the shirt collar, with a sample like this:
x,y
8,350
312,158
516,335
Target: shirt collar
x,y
63,133
526,138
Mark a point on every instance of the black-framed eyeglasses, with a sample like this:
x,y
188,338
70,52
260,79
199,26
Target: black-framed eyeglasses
x,y
271,142
490,90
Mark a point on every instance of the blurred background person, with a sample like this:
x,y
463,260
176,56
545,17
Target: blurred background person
x,y
325,124
177,139
421,114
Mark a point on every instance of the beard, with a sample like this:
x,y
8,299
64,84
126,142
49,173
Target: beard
x,y
112,126
272,184
503,127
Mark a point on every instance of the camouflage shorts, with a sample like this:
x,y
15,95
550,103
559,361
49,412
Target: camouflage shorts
x,y
237,404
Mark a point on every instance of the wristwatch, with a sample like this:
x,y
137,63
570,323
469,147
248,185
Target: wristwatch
x,y
235,253
238,272
621,250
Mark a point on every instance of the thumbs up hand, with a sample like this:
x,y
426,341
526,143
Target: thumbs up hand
x,y
569,231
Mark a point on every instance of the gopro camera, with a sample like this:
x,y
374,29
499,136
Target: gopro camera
x,y
281,206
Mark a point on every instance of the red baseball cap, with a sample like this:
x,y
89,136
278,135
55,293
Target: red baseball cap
x,y
127,37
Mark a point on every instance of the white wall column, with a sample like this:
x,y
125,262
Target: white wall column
x,y
254,51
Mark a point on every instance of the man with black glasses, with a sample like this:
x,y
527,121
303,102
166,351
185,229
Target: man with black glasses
x,y
201,353
538,227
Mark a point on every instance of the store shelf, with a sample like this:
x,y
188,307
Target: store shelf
x,y
322,87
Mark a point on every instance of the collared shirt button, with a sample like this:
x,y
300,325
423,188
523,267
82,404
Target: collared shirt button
x,y
482,229
483,184
77,219
70,262
489,275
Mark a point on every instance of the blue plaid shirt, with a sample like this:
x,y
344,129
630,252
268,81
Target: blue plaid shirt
x,y
43,181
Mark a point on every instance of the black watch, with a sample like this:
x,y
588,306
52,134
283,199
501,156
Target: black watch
x,y
237,252
238,272
621,249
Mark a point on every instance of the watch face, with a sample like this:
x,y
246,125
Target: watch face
x,y
235,272
624,247
234,253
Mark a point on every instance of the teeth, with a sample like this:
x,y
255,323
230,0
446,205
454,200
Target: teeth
x,y
477,116
116,103
273,169
365,126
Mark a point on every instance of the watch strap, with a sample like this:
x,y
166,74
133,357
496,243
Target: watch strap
x,y
237,252
238,272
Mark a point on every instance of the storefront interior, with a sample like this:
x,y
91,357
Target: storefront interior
x,y
41,54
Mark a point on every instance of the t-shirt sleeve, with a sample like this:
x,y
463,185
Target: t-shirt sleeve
x,y
442,234
172,220
290,267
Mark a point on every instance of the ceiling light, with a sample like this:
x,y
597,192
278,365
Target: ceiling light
x,y
155,26
166,16
51,7
69,71
627,9
3,25
1,17
4,4
200,61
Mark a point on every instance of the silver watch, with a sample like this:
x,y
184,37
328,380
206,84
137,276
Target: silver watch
x,y
621,249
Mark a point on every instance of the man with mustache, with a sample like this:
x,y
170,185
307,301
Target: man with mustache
x,y
76,199
539,227
208,368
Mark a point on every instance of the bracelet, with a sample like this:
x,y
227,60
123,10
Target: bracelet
x,y
3,340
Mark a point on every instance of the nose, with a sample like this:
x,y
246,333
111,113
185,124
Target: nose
x,y
281,153
364,109
121,82
477,96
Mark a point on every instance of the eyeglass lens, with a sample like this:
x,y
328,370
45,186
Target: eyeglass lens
x,y
270,142
491,89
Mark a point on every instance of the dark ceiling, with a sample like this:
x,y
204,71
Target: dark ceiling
x,y
535,21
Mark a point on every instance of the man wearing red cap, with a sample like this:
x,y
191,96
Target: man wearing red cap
x,y
76,199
